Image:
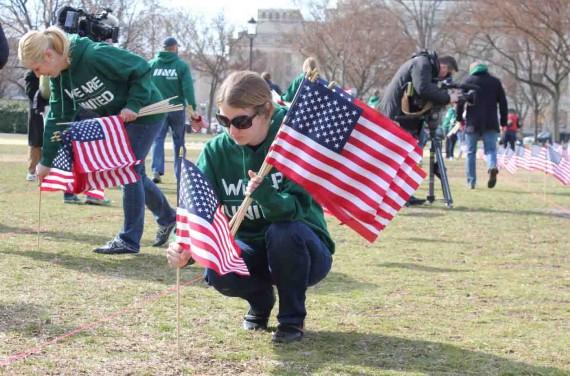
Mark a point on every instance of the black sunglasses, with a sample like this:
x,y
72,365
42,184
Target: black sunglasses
x,y
240,122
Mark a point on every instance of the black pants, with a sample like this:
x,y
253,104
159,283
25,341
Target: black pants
x,y
450,145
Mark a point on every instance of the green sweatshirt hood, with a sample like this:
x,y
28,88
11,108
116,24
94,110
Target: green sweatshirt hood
x,y
477,69
165,57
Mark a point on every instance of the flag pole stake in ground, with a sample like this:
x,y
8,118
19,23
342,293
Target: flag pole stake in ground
x,y
39,218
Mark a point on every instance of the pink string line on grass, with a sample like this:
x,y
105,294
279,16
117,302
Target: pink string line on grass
x,y
35,350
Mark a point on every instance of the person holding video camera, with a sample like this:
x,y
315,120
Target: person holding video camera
x,y
415,86
481,121
106,80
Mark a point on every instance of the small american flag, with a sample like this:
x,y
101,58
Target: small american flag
x,y
538,158
201,226
360,166
60,177
522,157
558,166
103,154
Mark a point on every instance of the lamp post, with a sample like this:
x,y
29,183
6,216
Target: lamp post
x,y
251,32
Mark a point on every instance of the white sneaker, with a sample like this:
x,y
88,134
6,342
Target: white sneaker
x,y
31,177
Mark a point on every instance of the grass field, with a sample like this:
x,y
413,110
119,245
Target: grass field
x,y
481,289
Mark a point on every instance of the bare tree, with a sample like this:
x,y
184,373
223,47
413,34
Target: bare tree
x,y
358,44
418,19
494,36
207,45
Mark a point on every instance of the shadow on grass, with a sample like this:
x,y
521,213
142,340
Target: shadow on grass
x,y
141,267
421,268
361,353
59,235
428,240
29,320
340,282
543,213
564,194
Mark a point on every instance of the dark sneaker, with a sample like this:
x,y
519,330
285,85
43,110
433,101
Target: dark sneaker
x,y
492,177
287,334
73,199
115,247
252,321
97,201
163,234
413,201
156,178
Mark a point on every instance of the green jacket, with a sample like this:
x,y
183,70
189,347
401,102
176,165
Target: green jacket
x,y
289,95
449,120
225,164
100,78
172,77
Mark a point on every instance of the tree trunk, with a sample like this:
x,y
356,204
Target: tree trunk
x,y
556,116
536,114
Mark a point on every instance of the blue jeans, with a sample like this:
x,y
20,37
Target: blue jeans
x,y
144,191
490,147
293,259
176,122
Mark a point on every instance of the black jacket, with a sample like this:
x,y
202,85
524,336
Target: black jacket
x,y
482,116
3,48
421,73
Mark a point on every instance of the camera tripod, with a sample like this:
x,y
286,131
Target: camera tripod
x,y
431,120
436,156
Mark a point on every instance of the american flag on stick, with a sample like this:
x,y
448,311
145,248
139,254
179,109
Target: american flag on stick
x,y
201,226
359,165
103,156
558,166
60,177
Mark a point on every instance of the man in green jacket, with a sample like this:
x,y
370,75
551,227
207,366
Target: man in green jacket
x,y
173,78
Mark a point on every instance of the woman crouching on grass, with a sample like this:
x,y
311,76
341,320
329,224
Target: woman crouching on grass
x,y
108,81
285,242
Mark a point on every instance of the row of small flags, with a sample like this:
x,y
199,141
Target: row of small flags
x,y
358,164
553,160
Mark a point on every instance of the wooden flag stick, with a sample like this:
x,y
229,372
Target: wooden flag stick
x,y
240,214
178,310
39,218
180,155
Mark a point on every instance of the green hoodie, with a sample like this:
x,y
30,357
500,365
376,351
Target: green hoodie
x,y
293,87
172,77
225,164
100,78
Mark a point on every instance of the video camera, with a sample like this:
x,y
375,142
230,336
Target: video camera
x,y
468,93
98,28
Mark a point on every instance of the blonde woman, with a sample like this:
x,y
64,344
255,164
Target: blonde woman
x,y
85,75
309,64
284,238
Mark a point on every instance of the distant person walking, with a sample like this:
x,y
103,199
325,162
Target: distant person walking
x,y
481,121
173,78
510,131
272,85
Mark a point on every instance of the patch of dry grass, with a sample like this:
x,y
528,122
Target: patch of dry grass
x,y
481,289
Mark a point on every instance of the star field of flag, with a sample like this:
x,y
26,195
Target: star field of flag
x,y
197,195
88,130
325,117
63,157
